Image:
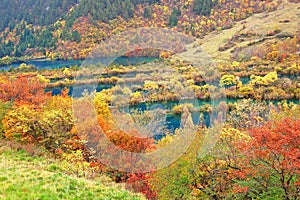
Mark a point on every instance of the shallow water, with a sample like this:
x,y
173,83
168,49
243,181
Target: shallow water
x,y
56,64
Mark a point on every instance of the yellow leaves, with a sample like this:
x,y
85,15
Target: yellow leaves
x,y
67,72
180,108
60,23
295,67
191,82
164,141
235,64
202,23
43,79
154,16
233,134
59,103
74,163
118,30
227,80
6,58
150,85
246,91
271,77
166,9
186,3
266,80
136,97
19,122
102,106
196,88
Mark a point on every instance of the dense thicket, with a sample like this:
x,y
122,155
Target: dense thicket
x,y
203,7
39,12
105,10
29,38
36,12
16,14
69,29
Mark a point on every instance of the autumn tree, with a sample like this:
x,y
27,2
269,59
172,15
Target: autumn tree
x,y
175,181
57,121
106,136
267,80
211,176
49,126
23,90
228,80
247,113
270,166
21,124
4,108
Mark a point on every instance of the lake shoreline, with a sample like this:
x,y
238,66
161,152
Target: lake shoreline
x,y
46,63
20,60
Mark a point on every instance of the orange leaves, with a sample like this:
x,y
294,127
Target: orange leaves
x,y
271,157
120,138
124,140
96,132
237,189
139,183
36,117
278,140
164,55
23,90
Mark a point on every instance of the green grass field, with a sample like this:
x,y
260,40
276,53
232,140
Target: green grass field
x,y
25,177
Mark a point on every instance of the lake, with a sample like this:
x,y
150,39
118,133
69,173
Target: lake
x,y
172,121
56,64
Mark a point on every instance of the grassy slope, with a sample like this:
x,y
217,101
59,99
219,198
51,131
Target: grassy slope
x,y
259,23
25,177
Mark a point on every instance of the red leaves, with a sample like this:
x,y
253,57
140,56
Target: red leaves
x,y
272,156
237,189
279,142
139,183
126,141
23,90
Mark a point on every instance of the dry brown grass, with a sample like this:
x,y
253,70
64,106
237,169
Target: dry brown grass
x,y
286,18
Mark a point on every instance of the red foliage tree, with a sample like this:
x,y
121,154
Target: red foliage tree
x,y
129,142
106,152
139,183
23,90
271,160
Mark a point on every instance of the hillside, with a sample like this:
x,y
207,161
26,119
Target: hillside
x,y
26,177
75,28
36,12
201,102
246,37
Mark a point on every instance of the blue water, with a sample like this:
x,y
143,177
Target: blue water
x,y
172,121
76,91
55,64
246,80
